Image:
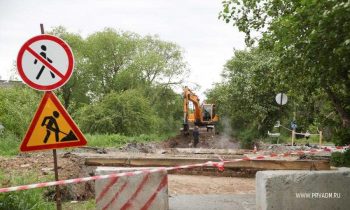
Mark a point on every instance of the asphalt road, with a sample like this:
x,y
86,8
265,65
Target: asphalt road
x,y
212,202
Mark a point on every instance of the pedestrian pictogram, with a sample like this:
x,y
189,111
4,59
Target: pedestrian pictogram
x,y
43,54
52,127
45,62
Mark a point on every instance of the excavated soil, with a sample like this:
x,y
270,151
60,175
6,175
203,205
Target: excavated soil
x,y
73,166
206,140
40,165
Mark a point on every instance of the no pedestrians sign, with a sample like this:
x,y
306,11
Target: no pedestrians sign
x,y
45,62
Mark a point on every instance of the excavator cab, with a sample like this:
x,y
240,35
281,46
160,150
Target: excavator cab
x,y
207,112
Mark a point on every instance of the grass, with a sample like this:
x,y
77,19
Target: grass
x,y
10,143
26,199
287,138
33,199
81,205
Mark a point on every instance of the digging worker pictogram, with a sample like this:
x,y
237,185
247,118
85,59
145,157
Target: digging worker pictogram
x,y
51,126
43,54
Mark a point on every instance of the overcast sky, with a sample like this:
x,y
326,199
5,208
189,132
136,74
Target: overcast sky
x,y
193,24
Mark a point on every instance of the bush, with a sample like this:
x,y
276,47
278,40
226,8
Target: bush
x,y
347,158
339,159
342,136
17,107
127,113
247,138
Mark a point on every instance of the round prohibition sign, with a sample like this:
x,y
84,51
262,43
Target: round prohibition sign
x,y
45,62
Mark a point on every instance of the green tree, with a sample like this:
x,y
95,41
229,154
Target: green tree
x,y
113,66
160,61
117,61
245,98
74,92
107,54
312,40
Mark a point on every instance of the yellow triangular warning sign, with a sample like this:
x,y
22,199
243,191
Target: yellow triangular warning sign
x,y
52,127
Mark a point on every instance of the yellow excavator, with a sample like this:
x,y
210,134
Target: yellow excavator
x,y
202,115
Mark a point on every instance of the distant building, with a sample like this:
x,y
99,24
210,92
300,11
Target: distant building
x,y
10,83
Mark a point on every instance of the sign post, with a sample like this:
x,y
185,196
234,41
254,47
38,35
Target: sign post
x,y
321,136
281,99
58,193
46,63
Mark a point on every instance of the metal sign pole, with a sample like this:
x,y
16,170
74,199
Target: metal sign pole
x,y
281,99
279,128
58,194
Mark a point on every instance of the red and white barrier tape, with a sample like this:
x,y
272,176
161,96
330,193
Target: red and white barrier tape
x,y
335,148
91,178
219,165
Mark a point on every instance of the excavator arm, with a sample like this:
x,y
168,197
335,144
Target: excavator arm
x,y
190,96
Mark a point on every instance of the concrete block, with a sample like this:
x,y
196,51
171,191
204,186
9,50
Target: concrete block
x,y
303,189
142,191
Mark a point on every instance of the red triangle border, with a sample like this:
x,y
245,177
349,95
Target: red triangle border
x,y
50,95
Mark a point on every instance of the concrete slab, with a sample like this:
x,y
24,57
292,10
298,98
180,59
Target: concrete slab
x,y
321,190
212,202
146,190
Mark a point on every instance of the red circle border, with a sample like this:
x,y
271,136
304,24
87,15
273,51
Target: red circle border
x,y
66,48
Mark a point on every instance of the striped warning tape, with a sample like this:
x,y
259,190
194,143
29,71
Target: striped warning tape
x,y
219,165
335,148
91,178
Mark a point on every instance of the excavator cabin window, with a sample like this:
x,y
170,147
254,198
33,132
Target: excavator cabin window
x,y
190,107
207,112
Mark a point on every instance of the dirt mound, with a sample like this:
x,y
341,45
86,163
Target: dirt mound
x,y
41,164
135,147
206,140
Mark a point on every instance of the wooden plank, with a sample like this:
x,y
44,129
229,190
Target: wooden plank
x,y
253,164
282,164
